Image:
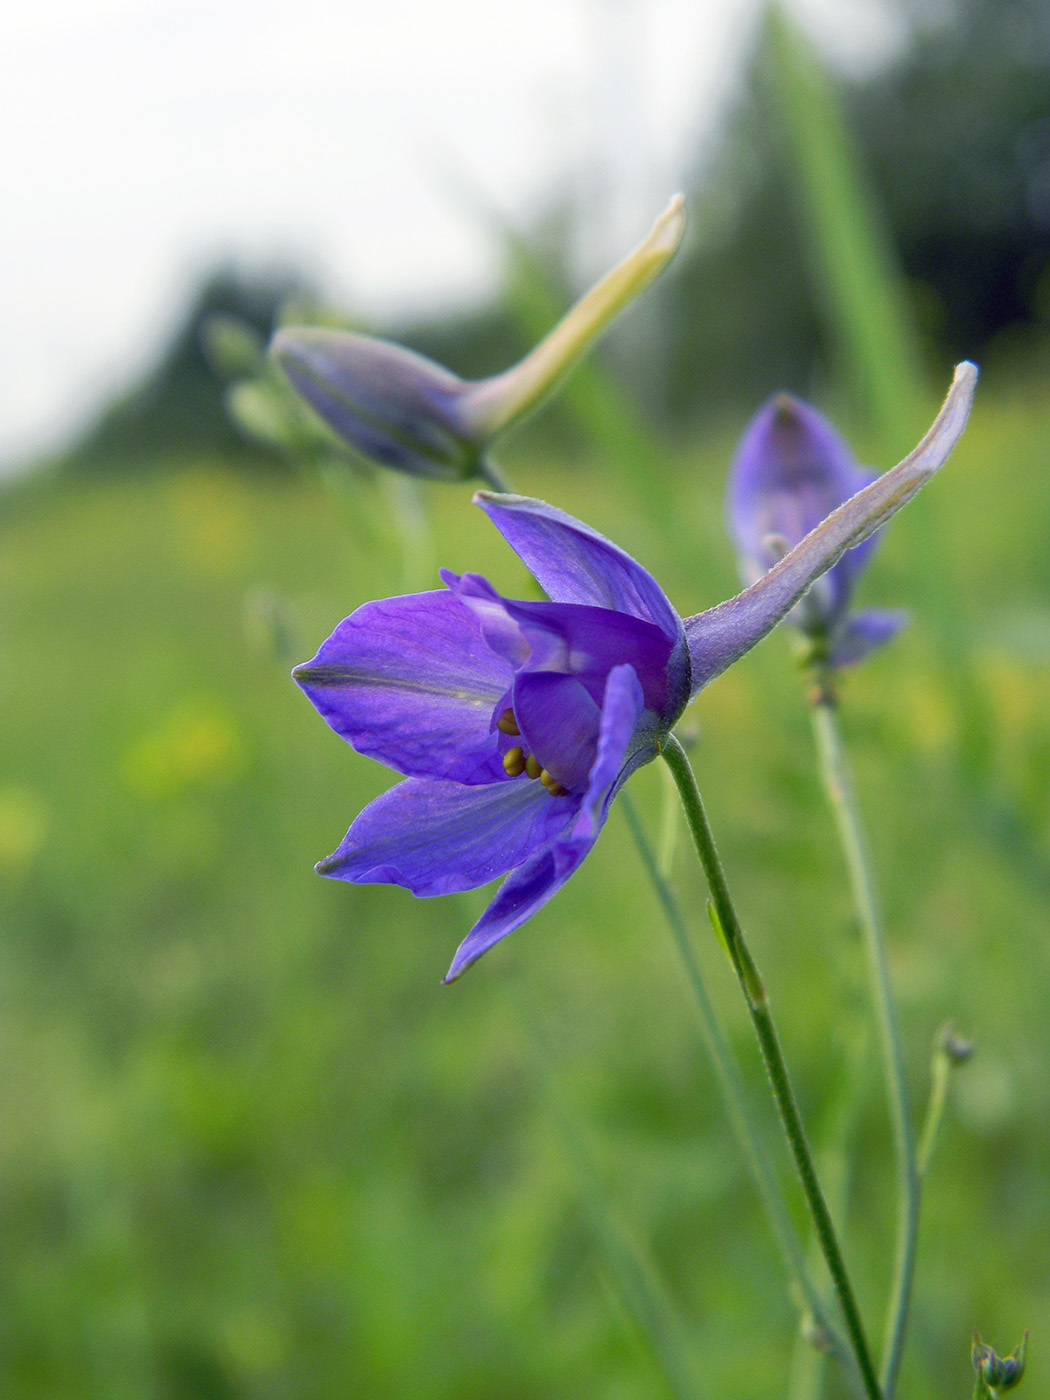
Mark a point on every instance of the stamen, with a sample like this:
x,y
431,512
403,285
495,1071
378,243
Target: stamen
x,y
507,724
552,785
514,763
533,766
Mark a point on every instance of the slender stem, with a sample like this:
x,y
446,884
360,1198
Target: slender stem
x,y
950,1051
732,1090
670,820
835,1166
838,786
727,1075
762,1020
940,1077
491,473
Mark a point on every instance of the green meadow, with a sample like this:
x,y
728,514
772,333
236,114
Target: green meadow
x,y
250,1147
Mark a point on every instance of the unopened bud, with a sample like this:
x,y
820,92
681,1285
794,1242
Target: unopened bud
x,y
999,1373
397,408
405,411
232,346
957,1049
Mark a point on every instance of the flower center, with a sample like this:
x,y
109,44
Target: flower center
x,y
516,761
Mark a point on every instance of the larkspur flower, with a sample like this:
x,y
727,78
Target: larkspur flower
x,y
404,411
516,723
790,470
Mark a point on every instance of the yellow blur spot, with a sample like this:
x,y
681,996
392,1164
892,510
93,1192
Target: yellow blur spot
x,y
23,829
197,744
209,520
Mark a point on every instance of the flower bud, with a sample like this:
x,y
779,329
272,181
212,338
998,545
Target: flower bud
x,y
405,411
395,407
790,471
955,1048
232,346
999,1373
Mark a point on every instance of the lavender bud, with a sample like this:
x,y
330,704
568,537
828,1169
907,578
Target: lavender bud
x,y
395,407
404,411
790,471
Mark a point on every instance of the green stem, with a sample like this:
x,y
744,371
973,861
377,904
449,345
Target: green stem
x,y
762,1020
726,1073
837,784
941,1075
732,1090
491,474
949,1053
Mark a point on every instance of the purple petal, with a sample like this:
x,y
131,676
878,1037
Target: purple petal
x,y
436,837
559,724
574,564
721,635
502,632
411,682
863,632
791,469
527,889
580,641
621,712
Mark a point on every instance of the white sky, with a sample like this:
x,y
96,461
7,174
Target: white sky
x,y
144,140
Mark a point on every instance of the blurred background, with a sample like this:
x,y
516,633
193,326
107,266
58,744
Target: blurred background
x,y
249,1147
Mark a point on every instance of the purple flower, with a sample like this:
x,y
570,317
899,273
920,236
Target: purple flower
x,y
791,469
516,723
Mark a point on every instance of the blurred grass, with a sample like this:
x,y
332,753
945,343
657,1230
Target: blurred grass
x,y
249,1147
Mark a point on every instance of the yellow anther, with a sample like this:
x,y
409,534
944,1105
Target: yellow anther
x,y
507,724
533,766
551,784
514,763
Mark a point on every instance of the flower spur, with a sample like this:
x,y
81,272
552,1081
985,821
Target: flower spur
x,y
516,723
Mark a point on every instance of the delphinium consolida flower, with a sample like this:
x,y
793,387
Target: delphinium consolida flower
x,y
791,469
515,723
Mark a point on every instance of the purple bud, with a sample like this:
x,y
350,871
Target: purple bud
x,y
404,411
396,407
790,471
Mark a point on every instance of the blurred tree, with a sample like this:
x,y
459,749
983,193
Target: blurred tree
x,y
958,139
954,136
178,405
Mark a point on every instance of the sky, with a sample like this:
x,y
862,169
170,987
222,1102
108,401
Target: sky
x,y
144,141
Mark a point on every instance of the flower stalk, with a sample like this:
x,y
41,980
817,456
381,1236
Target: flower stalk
x,y
839,790
950,1051
728,926
727,1077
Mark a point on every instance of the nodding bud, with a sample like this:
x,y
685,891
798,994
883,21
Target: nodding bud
x,y
790,471
397,408
404,411
955,1048
999,1373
